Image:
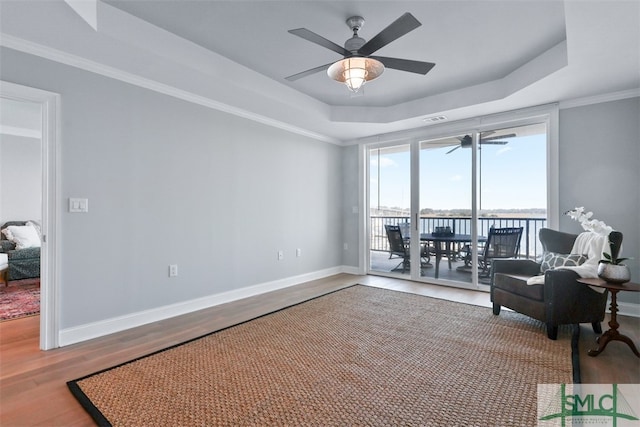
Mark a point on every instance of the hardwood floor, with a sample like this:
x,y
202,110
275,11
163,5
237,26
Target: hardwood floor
x,y
33,389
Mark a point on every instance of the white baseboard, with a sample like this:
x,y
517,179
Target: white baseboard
x,y
117,324
101,328
351,270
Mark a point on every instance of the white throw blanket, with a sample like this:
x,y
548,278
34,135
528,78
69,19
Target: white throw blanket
x,y
591,245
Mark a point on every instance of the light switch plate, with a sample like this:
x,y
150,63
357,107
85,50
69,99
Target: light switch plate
x,y
78,205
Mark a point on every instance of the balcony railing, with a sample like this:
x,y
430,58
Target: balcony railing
x,y
530,246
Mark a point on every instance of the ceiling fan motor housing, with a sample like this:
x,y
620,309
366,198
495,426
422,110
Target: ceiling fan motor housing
x,y
354,43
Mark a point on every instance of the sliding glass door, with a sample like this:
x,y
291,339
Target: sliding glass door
x,y
511,192
445,204
444,196
390,207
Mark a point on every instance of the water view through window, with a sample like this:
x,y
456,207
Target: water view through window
x,y
511,192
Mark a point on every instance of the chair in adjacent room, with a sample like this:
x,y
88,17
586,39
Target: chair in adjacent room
x,y
560,299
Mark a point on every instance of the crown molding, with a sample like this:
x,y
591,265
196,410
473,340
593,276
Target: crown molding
x,y
66,58
598,99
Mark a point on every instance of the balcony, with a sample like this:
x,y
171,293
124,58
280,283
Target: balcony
x,y
530,246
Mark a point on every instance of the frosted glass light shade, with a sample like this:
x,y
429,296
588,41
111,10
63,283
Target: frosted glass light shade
x,y
355,71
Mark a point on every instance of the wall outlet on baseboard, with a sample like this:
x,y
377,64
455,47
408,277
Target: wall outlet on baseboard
x,y
173,270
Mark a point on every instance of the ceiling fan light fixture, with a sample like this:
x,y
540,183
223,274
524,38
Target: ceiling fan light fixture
x,y
355,71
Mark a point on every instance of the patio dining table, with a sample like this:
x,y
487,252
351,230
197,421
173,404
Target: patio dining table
x,y
443,244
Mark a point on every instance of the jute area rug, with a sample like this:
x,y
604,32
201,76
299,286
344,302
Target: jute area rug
x,y
358,356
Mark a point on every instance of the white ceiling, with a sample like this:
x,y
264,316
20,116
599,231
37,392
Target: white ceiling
x,y
255,35
490,56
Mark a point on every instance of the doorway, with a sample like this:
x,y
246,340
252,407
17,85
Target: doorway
x,y
20,207
48,105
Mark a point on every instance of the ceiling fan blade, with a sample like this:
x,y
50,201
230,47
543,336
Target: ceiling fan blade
x,y
418,67
493,142
511,135
302,74
453,149
319,40
395,30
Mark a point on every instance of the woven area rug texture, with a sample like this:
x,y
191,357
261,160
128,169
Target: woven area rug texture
x,y
358,356
19,299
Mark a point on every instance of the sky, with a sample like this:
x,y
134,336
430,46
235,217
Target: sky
x,y
513,176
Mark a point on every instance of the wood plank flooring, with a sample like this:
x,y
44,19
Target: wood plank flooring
x,y
33,389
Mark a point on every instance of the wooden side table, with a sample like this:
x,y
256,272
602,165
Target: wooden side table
x,y
612,334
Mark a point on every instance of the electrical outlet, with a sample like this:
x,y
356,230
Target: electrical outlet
x,y
173,270
280,255
298,252
345,246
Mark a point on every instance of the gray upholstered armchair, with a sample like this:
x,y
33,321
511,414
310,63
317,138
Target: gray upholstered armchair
x,y
561,299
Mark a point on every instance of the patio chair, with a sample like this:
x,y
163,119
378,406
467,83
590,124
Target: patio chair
x,y
501,243
399,248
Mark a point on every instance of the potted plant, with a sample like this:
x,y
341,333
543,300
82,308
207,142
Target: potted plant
x,y
611,268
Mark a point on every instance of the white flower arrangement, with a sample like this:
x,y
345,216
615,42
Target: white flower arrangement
x,y
587,222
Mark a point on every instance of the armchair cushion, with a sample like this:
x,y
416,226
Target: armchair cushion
x,y
517,284
552,260
524,267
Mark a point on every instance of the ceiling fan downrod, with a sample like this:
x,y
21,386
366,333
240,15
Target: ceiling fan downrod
x,y
356,42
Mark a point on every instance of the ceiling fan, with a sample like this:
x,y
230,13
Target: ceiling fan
x,y
465,141
358,65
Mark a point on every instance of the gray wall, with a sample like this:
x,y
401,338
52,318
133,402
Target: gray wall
x,y
351,191
171,182
600,170
20,179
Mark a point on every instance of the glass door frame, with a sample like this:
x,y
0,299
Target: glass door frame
x,y
415,215
547,114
